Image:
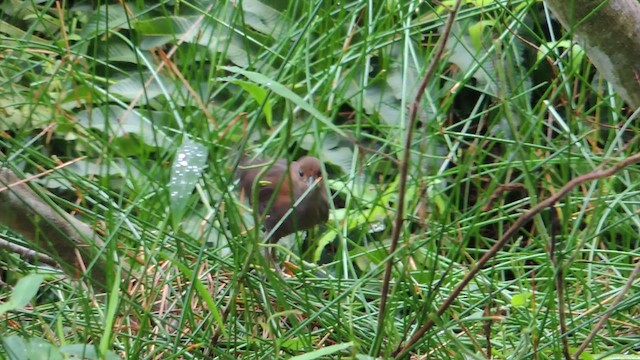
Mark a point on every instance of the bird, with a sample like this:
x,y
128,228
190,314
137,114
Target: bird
x,y
280,188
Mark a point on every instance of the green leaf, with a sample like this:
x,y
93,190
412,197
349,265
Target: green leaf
x,y
24,291
86,351
326,351
259,95
520,300
476,33
104,19
325,240
121,124
16,111
190,160
194,29
585,355
19,348
285,92
131,88
264,19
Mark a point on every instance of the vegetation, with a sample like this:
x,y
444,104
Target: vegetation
x,y
133,116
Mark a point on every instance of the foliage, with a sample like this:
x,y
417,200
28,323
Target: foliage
x,y
158,101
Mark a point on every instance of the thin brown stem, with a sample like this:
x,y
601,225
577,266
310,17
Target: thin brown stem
x,y
404,166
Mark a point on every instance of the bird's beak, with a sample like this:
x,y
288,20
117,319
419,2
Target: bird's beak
x,y
311,180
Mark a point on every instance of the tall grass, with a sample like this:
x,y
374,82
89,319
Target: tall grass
x,y
161,99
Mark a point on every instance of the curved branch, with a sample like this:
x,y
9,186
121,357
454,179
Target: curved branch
x,y
69,241
608,30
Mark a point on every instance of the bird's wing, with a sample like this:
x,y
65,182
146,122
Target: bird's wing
x,y
268,185
254,168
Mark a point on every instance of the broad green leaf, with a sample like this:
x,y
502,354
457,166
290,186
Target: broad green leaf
x,y
325,351
476,33
294,344
120,123
86,351
264,18
134,87
586,355
197,30
190,160
18,112
577,52
17,33
106,18
520,300
22,293
259,95
19,348
285,92
325,240
369,256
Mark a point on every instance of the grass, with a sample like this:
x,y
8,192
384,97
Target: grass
x,y
502,127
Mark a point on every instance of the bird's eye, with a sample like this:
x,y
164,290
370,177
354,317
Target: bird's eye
x,y
301,173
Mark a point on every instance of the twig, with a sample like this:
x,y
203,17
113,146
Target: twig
x,y
599,173
404,166
28,254
49,229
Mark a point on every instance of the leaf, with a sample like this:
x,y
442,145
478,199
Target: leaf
x,y
585,355
259,95
132,87
285,92
294,344
118,50
335,149
196,30
520,300
577,52
114,169
476,33
377,98
24,291
105,19
341,156
19,348
474,61
17,112
264,19
325,240
17,33
326,351
86,351
187,167
119,123
369,256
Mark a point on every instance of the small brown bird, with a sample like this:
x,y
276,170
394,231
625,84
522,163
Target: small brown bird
x,y
291,186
